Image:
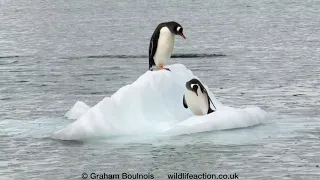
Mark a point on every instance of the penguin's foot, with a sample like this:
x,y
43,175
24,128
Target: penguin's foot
x,y
161,68
166,69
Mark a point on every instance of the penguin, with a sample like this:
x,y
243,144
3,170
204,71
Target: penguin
x,y
196,98
161,44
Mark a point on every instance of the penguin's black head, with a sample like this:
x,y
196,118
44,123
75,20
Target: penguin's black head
x,y
176,28
193,85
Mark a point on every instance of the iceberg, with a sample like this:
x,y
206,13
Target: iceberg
x,y
152,105
78,109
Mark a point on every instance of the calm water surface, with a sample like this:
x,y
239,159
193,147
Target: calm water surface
x,y
272,61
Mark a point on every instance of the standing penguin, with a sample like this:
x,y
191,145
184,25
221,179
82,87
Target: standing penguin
x,y
162,42
197,99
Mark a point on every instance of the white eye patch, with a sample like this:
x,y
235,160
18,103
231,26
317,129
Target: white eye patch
x,y
193,85
178,28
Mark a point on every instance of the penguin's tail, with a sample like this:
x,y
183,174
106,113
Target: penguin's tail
x,y
210,110
151,64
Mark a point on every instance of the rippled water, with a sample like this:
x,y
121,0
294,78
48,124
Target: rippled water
x,y
55,53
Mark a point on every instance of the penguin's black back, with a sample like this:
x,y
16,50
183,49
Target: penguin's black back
x,y
154,44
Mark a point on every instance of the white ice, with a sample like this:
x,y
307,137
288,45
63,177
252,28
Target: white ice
x,y
152,105
78,109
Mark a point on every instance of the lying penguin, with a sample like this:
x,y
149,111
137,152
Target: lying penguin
x,y
196,98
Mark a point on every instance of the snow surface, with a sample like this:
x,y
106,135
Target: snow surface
x,y
152,105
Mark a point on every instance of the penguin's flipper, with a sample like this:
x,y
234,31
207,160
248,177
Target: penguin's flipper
x,y
209,99
212,103
184,102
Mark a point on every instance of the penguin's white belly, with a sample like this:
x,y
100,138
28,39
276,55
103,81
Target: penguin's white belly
x,y
165,47
198,105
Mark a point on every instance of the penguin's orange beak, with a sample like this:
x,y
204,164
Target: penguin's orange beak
x,y
181,34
